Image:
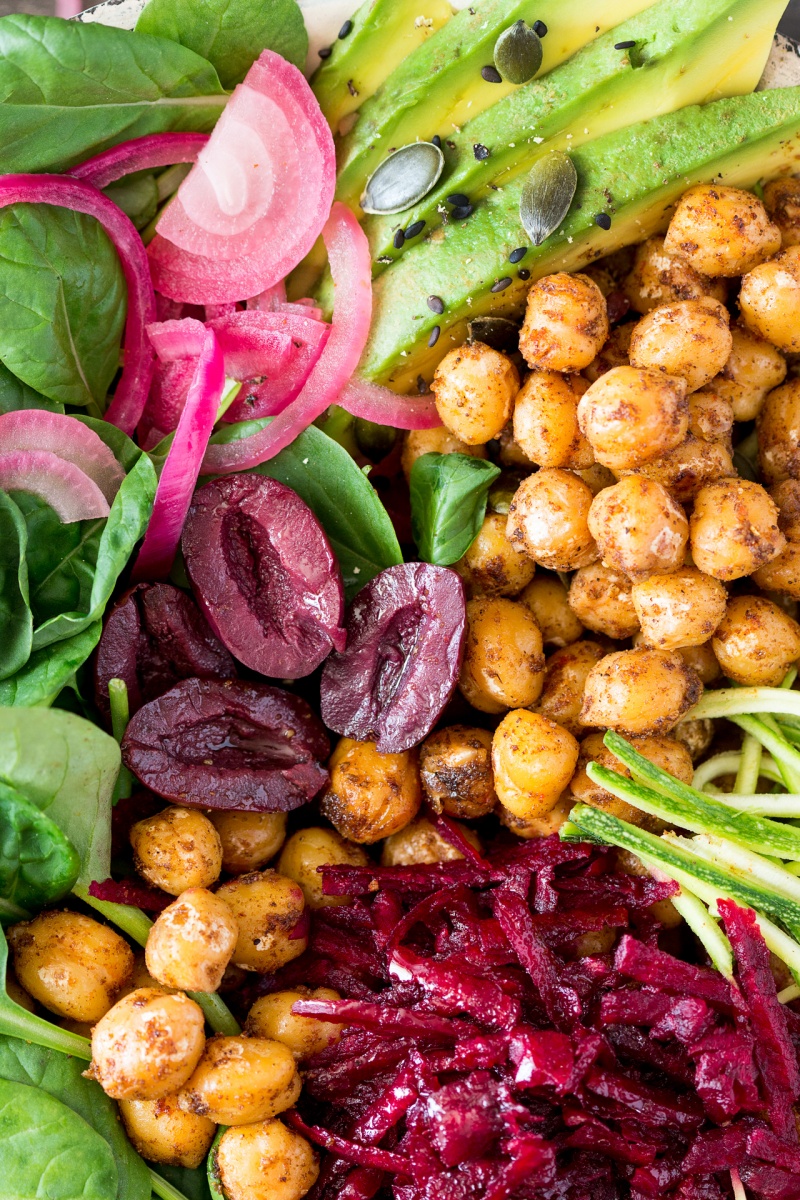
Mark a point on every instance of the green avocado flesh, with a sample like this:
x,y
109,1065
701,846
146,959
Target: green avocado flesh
x,y
685,53
439,86
635,175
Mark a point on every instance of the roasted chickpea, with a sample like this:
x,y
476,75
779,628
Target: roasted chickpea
x,y
266,1161
779,433
546,420
272,1017
782,202
503,665
71,964
547,598
267,908
434,441
690,339
240,1080
754,368
421,842
17,993
756,642
711,416
492,566
601,598
548,519
509,454
177,849
695,735
639,528
689,467
474,387
249,839
769,298
163,1133
564,680
631,415
667,753
597,477
141,978
615,353
664,911
538,827
702,660
455,766
639,691
533,760
594,942
661,276
372,795
782,575
315,847
734,529
682,609
786,495
147,1045
566,323
722,230
191,942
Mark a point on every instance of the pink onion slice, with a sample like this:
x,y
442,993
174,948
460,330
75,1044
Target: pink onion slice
x,y
252,346
180,471
270,298
70,439
306,338
348,253
131,395
385,407
61,484
168,394
139,154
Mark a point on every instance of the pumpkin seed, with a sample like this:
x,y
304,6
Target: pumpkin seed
x,y
403,178
497,332
518,53
547,195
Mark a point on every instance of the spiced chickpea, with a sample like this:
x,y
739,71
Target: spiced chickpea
x,y
176,849
661,276
564,680
779,433
455,766
421,842
782,202
689,467
434,441
753,368
566,323
601,598
681,609
372,795
163,1133
702,660
509,454
248,839
147,1045
546,420
265,1161
71,964
639,529
786,495
240,1080
534,760
594,942
782,575
141,978
474,388
711,416
665,752
272,1017
734,529
639,691
191,942
664,911
690,339
769,298
631,415
547,598
548,519
722,230
538,827
492,566
695,735
615,353
308,850
16,992
503,665
597,477
756,641
268,909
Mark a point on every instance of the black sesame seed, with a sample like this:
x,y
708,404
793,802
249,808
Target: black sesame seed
x,y
346,28
415,229
481,152
458,198
399,239
491,75
437,141
517,255
539,28
502,284
422,386
325,51
623,45
603,220
462,212
524,273
433,339
436,304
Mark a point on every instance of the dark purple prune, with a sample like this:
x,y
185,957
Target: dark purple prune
x,y
154,637
405,635
236,745
264,574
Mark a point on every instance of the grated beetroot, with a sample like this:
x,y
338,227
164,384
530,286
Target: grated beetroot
x,y
149,899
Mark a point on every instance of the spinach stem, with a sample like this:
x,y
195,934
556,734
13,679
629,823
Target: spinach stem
x,y
120,715
163,1188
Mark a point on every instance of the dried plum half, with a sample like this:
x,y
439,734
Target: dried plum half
x,y
405,636
236,745
154,637
264,574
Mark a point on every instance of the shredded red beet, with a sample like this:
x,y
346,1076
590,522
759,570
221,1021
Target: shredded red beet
x,y
149,899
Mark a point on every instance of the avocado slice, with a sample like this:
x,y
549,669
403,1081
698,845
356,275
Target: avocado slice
x,y
439,86
384,32
684,52
635,175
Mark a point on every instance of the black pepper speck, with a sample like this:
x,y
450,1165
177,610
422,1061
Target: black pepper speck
x,y
523,273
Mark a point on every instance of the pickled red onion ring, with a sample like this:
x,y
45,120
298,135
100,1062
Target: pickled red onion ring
x,y
385,407
68,438
71,494
139,154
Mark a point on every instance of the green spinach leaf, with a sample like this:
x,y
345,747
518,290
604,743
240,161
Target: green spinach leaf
x,y
137,196
14,394
62,302
340,496
193,1184
50,670
230,33
38,863
63,102
448,504
17,1022
16,619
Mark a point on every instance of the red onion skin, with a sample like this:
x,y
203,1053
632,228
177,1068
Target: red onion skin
x,y
139,154
64,486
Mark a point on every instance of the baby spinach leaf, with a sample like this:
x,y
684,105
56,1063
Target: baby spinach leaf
x,y
230,33
448,504
48,1150
62,302
38,863
16,619
191,1183
14,394
48,671
137,196
17,1022
62,103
